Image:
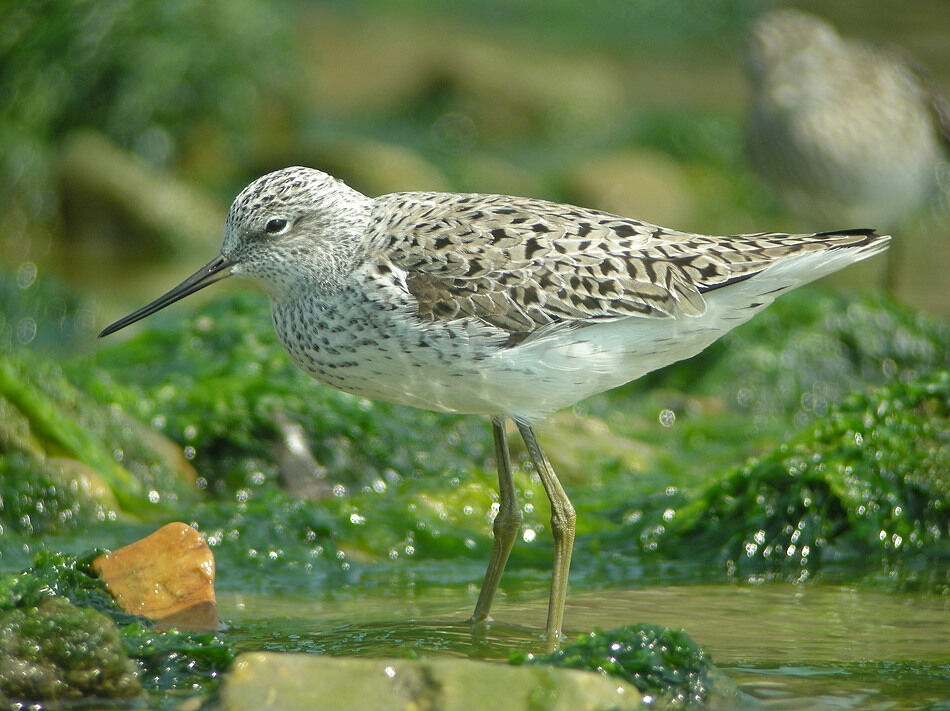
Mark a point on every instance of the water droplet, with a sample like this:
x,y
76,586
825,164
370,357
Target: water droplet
x,y
667,417
26,330
26,275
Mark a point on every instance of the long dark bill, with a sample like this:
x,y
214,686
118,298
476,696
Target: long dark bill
x,y
215,270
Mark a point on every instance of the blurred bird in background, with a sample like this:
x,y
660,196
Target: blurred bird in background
x,y
846,132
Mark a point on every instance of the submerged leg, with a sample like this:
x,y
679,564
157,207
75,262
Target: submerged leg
x,y
506,525
562,527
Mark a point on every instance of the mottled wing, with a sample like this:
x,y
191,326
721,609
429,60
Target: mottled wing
x,y
522,264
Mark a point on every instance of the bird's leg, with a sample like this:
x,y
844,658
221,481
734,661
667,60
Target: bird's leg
x,y
506,524
562,527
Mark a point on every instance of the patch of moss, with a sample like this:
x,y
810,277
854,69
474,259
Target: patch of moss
x,y
872,477
54,650
656,660
58,575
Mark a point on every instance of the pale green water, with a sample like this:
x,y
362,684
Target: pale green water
x,y
790,646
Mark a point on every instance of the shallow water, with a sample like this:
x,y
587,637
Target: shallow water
x,y
791,646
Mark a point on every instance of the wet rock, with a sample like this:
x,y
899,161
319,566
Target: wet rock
x,y
260,680
55,651
167,577
302,475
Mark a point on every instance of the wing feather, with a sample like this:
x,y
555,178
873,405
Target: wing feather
x,y
522,264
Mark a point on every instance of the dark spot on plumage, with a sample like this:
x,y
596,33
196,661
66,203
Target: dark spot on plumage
x,y
443,308
584,229
623,230
575,282
498,233
532,247
442,242
584,245
519,220
474,267
505,211
540,227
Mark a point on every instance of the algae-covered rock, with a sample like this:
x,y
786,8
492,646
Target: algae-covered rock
x,y
658,661
54,651
872,478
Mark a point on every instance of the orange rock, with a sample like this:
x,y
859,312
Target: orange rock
x,y
167,576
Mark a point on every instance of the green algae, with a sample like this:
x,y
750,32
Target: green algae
x,y
870,481
57,651
657,660
107,462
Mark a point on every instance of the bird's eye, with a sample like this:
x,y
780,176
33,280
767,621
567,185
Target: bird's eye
x,y
275,225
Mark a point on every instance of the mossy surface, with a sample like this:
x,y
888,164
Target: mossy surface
x,y
55,651
657,660
870,480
